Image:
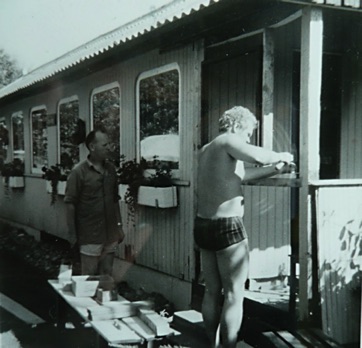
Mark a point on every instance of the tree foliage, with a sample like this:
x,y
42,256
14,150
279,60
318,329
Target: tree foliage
x,y
9,70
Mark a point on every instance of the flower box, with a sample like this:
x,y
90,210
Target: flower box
x,y
61,187
159,197
16,181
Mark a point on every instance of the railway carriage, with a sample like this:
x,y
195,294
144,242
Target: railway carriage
x,y
159,84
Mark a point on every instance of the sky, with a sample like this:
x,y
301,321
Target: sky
x,y
34,32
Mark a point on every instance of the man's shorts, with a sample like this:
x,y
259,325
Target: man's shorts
x,y
98,249
217,234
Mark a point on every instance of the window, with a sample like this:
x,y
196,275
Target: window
x,y
106,114
17,125
4,141
158,115
68,116
39,139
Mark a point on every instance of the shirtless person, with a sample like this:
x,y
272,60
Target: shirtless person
x,y
219,229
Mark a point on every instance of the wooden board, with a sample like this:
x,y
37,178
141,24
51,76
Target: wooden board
x,y
112,334
138,326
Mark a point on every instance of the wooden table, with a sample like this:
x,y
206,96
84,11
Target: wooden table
x,y
114,332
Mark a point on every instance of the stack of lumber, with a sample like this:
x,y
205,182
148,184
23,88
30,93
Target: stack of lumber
x,y
137,316
117,309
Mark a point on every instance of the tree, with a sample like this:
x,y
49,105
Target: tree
x,y
9,71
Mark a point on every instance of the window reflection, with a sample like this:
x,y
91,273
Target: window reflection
x,y
106,110
4,141
39,139
18,135
159,117
68,118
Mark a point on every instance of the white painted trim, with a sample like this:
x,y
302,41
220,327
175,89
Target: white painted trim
x,y
60,102
144,75
32,110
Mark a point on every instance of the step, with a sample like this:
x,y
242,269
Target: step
x,y
192,330
311,338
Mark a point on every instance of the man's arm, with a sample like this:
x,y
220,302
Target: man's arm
x,y
242,151
70,215
119,222
257,173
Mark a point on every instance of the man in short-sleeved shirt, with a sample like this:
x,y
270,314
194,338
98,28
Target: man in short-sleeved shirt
x,y
93,214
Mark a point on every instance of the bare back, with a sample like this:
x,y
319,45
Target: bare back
x,y
219,181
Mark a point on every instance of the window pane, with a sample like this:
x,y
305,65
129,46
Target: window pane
x,y
18,135
159,117
4,141
106,109
68,118
39,139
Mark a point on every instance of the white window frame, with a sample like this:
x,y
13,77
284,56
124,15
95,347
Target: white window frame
x,y
12,132
34,109
63,101
142,76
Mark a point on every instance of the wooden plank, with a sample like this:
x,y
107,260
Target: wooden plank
x,y
324,338
310,339
275,339
291,339
138,326
115,331
311,80
157,323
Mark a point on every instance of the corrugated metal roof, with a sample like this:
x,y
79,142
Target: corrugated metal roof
x,y
155,19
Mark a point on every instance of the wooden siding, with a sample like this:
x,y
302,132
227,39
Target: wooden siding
x,y
267,220
167,246
162,239
351,123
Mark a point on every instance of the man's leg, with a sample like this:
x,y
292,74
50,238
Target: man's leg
x,y
89,264
106,264
233,263
211,301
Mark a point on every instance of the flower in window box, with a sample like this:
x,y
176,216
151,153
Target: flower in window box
x,y
13,173
56,176
154,190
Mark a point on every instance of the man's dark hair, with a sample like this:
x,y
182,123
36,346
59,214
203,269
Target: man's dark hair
x,y
92,135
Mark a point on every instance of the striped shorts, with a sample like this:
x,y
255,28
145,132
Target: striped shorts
x,y
217,234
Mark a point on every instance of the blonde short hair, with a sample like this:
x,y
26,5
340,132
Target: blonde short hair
x,y
237,116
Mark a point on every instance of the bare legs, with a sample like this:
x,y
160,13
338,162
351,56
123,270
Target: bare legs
x,y
226,269
92,265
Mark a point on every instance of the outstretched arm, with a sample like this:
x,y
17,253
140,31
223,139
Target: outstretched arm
x,y
257,173
242,151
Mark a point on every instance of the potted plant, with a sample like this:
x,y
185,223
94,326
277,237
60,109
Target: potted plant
x,y
13,173
56,178
155,190
130,178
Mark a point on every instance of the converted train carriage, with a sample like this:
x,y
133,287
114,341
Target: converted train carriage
x,y
295,64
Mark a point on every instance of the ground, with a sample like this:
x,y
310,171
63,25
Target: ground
x,y
47,254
